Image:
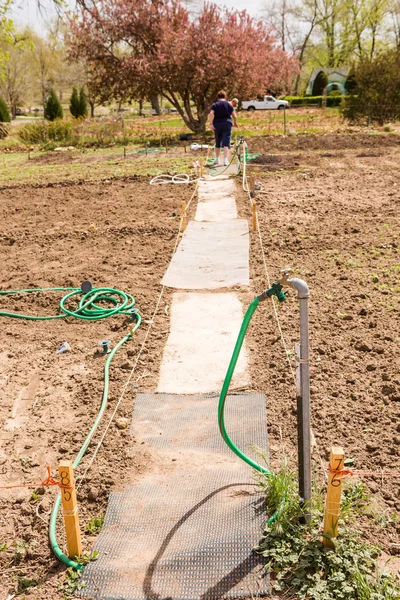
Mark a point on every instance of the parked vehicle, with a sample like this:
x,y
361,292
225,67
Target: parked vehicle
x,y
268,103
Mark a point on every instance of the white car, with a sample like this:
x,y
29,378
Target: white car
x,y
269,103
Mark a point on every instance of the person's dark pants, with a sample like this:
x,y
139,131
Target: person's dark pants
x,y
223,134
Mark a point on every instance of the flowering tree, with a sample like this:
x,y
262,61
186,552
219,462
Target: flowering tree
x,y
147,47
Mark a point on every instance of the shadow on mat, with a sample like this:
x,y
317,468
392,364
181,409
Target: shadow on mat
x,y
223,586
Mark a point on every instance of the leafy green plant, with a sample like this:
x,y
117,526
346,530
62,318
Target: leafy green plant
x,y
72,582
95,525
87,557
24,584
299,560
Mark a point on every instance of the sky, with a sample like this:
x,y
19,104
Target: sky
x,y
25,12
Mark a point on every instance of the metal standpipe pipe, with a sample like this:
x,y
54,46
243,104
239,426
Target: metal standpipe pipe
x,y
303,398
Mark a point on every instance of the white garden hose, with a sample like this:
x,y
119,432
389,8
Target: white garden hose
x,y
177,179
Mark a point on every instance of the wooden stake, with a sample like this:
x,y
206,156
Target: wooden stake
x,y
332,505
201,167
252,186
70,509
254,210
184,219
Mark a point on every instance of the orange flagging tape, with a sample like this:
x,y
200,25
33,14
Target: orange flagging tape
x,y
49,481
342,473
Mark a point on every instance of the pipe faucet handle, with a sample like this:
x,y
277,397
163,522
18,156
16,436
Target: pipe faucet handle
x,y
285,274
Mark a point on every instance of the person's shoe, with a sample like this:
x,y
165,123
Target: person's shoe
x,y
215,163
226,162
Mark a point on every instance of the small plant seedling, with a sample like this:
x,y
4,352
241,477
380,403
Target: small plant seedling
x,y
72,582
34,496
86,557
95,525
24,584
20,550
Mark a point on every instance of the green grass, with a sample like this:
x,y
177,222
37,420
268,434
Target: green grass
x,y
91,165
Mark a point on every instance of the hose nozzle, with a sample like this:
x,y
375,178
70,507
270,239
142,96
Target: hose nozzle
x,y
276,289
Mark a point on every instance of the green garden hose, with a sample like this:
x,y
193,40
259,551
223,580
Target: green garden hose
x,y
87,308
221,406
217,172
122,303
53,519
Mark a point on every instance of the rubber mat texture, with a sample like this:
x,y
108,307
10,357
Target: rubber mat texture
x,y
186,530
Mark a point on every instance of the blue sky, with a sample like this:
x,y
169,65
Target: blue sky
x,y
26,12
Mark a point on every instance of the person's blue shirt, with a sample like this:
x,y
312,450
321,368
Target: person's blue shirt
x,y
222,111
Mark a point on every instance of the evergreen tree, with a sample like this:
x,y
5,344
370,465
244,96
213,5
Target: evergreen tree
x,y
53,109
4,112
74,104
83,103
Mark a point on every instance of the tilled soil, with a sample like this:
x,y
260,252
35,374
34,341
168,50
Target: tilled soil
x,y
331,213
335,221
117,235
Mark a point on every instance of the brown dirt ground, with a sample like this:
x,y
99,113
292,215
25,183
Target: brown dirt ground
x,y
335,221
338,227
48,401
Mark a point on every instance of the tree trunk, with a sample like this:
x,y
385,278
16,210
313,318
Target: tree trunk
x,y
91,104
155,104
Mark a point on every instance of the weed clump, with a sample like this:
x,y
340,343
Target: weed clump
x,y
300,561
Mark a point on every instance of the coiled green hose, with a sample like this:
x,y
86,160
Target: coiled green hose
x,y
87,309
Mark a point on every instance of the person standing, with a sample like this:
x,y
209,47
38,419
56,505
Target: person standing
x,y
221,115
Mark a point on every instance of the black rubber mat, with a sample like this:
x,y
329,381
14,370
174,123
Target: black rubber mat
x,y
186,529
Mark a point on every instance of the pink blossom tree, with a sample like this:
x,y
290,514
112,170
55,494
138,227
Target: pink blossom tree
x,y
148,47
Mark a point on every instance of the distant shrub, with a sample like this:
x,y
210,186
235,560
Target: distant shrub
x,y
335,93
376,95
41,133
4,112
351,82
53,109
331,101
